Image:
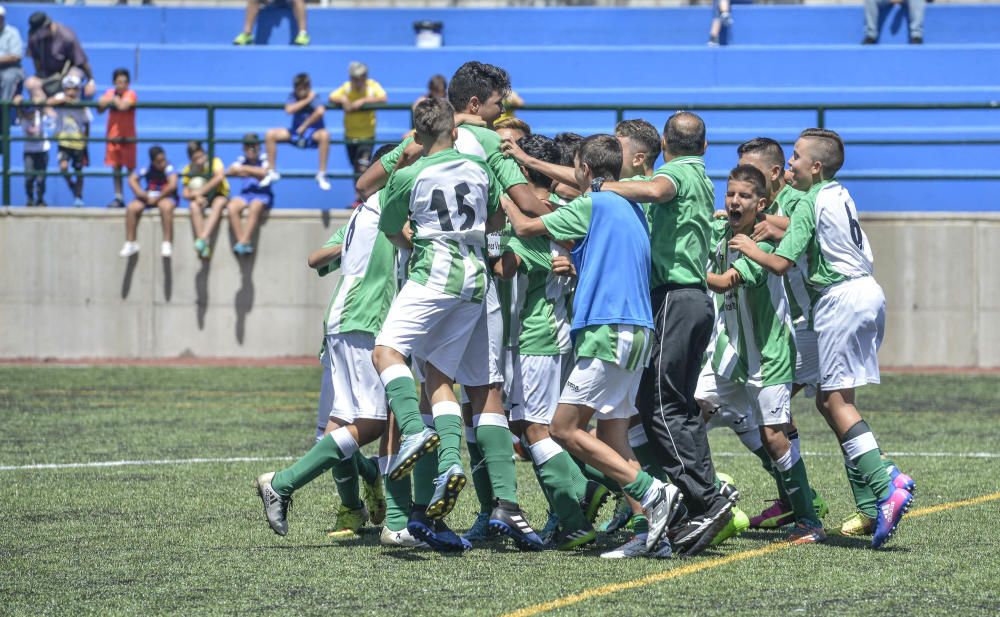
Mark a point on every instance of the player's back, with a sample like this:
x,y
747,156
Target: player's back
x,y
841,239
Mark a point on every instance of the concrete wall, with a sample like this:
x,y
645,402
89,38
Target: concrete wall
x,y
64,292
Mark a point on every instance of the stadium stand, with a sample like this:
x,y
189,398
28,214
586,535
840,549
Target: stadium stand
x,y
781,55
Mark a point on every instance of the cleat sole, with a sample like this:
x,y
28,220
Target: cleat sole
x,y
442,507
407,465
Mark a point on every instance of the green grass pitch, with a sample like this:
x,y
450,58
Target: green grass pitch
x,y
190,539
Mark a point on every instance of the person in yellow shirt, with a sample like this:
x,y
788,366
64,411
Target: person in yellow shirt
x,y
207,196
359,124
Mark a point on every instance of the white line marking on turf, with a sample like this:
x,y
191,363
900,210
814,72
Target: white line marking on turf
x,y
258,459
178,461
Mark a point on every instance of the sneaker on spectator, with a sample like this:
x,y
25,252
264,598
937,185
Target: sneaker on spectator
x,y
116,203
243,38
129,249
302,38
272,176
78,202
167,249
321,180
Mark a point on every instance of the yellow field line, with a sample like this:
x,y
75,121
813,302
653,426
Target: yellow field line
x,y
607,590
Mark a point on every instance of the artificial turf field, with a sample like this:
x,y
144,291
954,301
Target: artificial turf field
x,y
170,537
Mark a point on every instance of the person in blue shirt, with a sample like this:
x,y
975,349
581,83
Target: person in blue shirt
x,y
254,198
307,131
613,332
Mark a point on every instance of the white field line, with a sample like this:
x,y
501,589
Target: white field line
x,y
257,459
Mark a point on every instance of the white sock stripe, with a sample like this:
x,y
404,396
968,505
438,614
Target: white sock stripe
x,y
543,451
345,441
394,372
637,436
490,419
786,461
859,445
446,408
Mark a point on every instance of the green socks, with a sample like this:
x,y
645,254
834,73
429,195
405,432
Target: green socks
x,y
637,490
768,464
498,453
398,499
424,473
401,391
345,475
480,476
367,467
862,453
796,483
872,470
324,455
449,426
555,469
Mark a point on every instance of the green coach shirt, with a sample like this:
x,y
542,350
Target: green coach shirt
x,y
680,227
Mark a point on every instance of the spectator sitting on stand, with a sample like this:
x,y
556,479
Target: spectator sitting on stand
x,y
307,131
11,51
250,17
914,17
161,188
254,198
35,124
722,18
119,152
56,53
204,190
437,88
359,125
72,130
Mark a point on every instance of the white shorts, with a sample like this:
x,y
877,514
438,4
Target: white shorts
x,y
513,394
849,320
741,406
606,388
540,383
351,387
434,327
806,358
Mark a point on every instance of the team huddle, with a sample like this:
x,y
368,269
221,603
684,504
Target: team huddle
x,y
565,281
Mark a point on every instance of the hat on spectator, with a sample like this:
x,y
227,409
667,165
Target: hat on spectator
x,y
357,69
37,21
71,81
251,139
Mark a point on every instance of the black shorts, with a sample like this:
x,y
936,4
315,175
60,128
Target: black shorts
x,y
77,159
359,154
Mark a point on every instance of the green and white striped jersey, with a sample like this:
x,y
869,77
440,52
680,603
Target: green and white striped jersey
x,y
627,346
544,307
755,343
801,295
824,227
447,197
367,265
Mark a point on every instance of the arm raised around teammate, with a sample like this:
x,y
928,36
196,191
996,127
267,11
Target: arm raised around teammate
x,y
559,173
659,190
327,258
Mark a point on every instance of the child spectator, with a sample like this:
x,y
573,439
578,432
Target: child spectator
x,y
359,125
253,197
204,190
437,88
35,124
72,130
308,131
160,190
120,149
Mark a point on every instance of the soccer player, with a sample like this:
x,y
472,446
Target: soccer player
x,y
682,201
475,90
541,340
753,364
352,394
849,315
612,327
307,131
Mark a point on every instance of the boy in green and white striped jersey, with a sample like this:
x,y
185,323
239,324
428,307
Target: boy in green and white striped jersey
x,y
754,358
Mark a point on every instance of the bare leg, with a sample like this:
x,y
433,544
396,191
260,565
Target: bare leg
x,y
253,8
838,409
322,138
253,217
166,206
236,207
588,448
214,216
299,11
197,216
271,139
132,214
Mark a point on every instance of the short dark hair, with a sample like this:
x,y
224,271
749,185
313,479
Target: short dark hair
x,y
383,150
764,147
568,144
475,79
155,151
251,139
120,71
829,150
432,117
642,134
749,173
685,134
603,154
301,79
544,149
194,146
439,81
515,124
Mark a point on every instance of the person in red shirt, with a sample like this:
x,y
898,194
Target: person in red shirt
x,y
120,150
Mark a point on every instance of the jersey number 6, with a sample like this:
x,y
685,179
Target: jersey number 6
x,y
856,236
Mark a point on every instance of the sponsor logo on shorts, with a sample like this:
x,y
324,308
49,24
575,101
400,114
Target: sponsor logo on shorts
x,y
776,411
573,386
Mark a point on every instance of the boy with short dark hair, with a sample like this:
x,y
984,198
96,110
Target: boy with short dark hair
x,y
160,192
307,131
253,198
612,327
119,152
849,316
